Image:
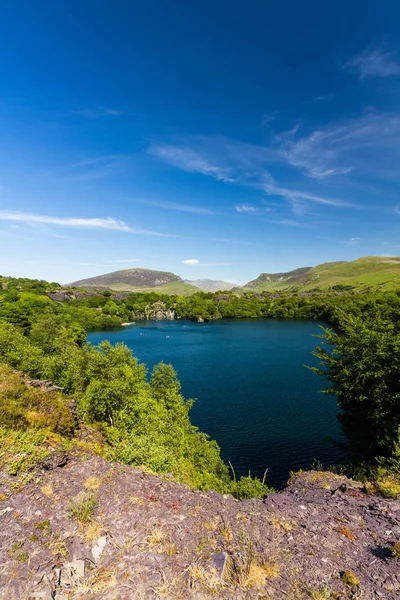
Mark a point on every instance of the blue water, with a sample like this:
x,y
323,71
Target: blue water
x,y
254,395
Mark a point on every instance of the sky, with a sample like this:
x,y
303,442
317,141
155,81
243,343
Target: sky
x,y
214,139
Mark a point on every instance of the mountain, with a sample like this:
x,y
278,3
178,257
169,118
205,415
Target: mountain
x,y
209,285
138,280
370,271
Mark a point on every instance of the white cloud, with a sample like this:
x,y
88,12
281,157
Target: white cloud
x,y
196,262
91,223
374,62
77,223
245,208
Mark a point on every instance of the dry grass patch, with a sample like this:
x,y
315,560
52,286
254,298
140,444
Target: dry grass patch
x,y
47,490
206,579
92,530
258,574
92,483
346,532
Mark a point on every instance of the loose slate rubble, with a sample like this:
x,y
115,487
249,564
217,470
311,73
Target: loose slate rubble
x,y
148,537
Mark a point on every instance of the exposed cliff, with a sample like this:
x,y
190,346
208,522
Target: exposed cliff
x,y
92,529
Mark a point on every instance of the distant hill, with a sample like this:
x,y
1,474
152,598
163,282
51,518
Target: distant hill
x,y
140,280
209,285
370,271
267,279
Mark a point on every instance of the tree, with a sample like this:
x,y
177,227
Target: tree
x,y
362,365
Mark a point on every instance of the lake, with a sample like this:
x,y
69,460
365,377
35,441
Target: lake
x,y
254,395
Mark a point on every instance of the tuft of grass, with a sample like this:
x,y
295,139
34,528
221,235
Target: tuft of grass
x,y
395,550
44,527
23,557
92,530
259,573
47,490
156,537
349,578
15,547
92,483
346,532
206,579
82,507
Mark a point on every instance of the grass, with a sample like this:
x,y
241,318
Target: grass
x,y
361,273
346,532
395,550
83,507
349,578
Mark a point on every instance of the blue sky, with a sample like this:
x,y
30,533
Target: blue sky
x,y
213,139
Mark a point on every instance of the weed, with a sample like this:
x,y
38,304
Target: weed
x,y
156,537
92,483
47,490
346,532
92,530
23,557
83,506
395,550
349,578
44,527
15,547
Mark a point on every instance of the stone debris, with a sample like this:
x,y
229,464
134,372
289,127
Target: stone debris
x,y
146,537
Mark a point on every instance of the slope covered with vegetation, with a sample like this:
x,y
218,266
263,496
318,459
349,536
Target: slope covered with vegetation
x,y
144,418
367,272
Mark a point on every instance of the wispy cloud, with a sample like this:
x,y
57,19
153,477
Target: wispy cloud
x,y
78,223
197,210
287,222
191,261
94,168
249,165
364,146
323,98
374,62
91,223
245,208
293,196
222,158
97,112
353,241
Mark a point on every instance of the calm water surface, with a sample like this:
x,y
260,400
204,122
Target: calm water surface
x,y
253,392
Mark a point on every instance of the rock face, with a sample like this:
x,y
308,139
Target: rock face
x,y
155,312
92,529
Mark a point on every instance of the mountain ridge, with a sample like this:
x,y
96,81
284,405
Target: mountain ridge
x,y
368,271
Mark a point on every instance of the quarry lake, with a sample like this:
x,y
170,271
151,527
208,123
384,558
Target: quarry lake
x,y
253,393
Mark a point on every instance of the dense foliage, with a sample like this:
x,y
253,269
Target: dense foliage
x,y
145,418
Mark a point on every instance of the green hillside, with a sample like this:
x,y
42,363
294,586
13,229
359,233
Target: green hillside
x,y
370,271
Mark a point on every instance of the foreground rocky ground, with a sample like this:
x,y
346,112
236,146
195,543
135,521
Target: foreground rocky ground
x,y
85,528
